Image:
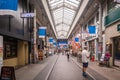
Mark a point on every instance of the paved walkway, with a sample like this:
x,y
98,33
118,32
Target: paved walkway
x,y
56,67
101,73
31,72
66,70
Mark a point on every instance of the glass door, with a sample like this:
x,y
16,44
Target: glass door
x,y
117,48
117,51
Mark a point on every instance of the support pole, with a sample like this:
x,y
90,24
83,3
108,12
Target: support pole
x,y
34,38
100,31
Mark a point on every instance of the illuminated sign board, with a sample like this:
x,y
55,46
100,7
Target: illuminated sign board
x,y
27,15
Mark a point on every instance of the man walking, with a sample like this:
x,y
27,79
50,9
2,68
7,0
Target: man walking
x,y
85,60
68,55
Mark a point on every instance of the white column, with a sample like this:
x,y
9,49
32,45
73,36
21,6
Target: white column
x,y
104,45
35,37
100,31
87,44
96,50
100,21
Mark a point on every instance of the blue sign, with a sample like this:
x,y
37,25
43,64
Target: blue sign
x,y
51,40
42,32
76,39
92,29
55,44
9,4
62,41
65,46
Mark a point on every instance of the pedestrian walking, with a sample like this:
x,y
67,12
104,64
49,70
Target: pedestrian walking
x,y
68,56
85,60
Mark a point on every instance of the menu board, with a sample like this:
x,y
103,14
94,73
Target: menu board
x,y
7,73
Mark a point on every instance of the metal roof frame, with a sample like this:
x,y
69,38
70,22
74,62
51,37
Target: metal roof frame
x,y
63,13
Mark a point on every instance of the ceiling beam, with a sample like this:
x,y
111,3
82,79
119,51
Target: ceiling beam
x,y
64,5
61,30
62,23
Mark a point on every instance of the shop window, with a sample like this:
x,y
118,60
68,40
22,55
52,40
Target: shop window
x,y
10,50
117,48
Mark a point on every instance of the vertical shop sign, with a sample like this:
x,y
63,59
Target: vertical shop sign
x,y
42,32
1,51
76,39
51,40
92,29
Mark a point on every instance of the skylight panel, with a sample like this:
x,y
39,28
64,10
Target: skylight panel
x,y
55,2
63,13
65,25
62,33
58,21
66,28
58,28
58,10
59,33
73,2
68,12
56,16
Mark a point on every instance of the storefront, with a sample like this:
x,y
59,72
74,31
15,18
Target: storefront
x,y
92,44
91,47
116,50
10,47
15,52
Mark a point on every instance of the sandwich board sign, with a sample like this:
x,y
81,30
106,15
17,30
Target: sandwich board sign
x,y
7,73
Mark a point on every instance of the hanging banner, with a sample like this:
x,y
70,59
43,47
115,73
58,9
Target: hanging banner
x,y
76,39
92,29
55,44
51,40
62,41
42,32
65,46
8,4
